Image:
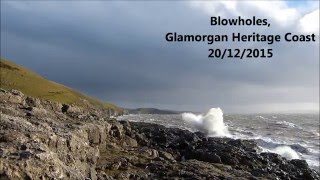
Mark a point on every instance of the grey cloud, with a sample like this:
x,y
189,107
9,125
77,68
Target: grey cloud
x,y
116,51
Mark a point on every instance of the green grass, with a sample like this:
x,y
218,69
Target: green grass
x,y
17,77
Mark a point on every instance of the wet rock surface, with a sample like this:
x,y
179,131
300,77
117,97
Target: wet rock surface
x,y
47,140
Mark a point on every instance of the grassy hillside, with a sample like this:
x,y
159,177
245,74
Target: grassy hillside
x,y
14,76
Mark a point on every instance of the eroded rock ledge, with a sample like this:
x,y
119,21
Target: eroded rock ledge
x,y
46,140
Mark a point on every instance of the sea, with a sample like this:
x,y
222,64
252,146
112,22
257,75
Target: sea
x,y
294,136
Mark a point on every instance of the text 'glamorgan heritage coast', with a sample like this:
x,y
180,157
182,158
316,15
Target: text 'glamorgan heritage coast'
x,y
237,37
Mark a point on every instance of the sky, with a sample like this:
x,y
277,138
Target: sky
x,y
116,51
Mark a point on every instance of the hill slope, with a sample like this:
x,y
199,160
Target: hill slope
x,y
151,111
14,76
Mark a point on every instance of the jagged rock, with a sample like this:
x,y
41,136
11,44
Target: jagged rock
x,y
152,153
94,135
2,152
141,139
17,93
103,176
93,174
65,108
16,98
33,102
25,154
166,156
38,112
128,141
117,130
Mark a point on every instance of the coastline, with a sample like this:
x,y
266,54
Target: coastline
x,y
38,140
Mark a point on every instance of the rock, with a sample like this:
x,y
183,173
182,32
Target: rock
x,y
25,154
275,158
23,147
16,98
116,165
128,141
33,102
70,110
103,176
29,114
38,112
132,174
54,106
29,108
125,123
301,164
64,108
153,153
213,157
17,93
67,142
2,91
94,135
93,174
141,139
116,130
127,129
228,159
12,136
3,153
166,156
74,110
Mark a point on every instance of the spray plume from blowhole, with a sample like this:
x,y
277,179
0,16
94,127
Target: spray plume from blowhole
x,y
211,123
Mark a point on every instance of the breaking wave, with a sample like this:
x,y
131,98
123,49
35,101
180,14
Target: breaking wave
x,y
286,152
288,124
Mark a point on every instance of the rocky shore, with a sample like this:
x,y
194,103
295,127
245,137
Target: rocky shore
x,y
47,140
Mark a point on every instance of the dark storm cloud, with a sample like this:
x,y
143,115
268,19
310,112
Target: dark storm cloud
x,y
116,51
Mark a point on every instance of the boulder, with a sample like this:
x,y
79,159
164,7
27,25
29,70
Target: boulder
x,y
16,98
33,102
128,141
166,156
116,130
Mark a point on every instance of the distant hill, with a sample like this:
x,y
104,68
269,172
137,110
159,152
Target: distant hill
x,y
17,77
151,111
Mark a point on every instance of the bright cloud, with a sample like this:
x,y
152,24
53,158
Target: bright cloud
x,y
310,22
278,11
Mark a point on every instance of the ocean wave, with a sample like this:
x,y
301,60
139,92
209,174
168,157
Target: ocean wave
x,y
300,148
276,134
243,131
313,161
313,151
287,152
284,151
269,143
261,117
315,133
286,123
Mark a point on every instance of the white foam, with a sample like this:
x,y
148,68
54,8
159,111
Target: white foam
x,y
261,117
211,123
286,123
315,133
286,152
